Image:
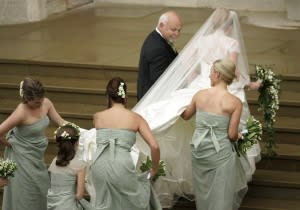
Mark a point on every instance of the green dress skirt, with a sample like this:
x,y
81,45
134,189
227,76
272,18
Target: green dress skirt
x,y
28,189
214,162
117,186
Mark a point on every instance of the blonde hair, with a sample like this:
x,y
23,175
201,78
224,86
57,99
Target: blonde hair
x,y
221,17
226,68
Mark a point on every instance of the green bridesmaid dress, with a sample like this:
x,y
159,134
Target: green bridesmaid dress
x,y
213,162
61,194
28,189
117,186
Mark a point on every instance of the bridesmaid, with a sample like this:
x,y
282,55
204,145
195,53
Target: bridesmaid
x,y
113,173
67,171
213,157
26,143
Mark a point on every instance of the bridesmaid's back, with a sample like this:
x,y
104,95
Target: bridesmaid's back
x,y
117,118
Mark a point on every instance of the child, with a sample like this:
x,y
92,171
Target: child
x,y
67,171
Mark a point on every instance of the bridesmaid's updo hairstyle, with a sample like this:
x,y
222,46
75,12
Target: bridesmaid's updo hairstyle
x,y
66,136
116,91
31,89
226,68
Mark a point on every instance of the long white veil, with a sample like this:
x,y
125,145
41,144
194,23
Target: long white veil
x,y
180,72
167,98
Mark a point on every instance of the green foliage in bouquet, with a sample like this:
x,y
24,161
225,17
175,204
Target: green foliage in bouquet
x,y
7,168
146,166
268,102
251,135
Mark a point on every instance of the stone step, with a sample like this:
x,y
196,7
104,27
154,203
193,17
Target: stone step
x,y
92,83
287,159
24,68
289,104
21,68
65,95
275,184
249,203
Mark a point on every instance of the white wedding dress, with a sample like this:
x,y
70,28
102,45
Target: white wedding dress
x,y
164,103
167,99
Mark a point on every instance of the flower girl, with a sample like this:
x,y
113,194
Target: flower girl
x,y
67,171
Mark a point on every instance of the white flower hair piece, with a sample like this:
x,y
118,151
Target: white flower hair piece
x,y
121,91
21,92
65,134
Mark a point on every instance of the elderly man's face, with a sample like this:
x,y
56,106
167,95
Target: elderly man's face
x,y
171,30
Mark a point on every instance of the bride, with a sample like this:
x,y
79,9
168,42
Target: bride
x,y
219,37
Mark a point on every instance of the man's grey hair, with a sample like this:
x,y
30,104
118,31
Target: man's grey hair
x,y
163,19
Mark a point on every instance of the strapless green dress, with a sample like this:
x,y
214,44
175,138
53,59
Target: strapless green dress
x,y
117,186
214,162
28,189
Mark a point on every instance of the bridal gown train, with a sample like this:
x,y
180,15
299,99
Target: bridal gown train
x,y
174,134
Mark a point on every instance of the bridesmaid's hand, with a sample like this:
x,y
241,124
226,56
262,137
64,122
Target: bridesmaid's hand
x,y
152,173
4,141
3,182
255,85
240,135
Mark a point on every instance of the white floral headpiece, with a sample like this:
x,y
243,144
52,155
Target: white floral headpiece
x,y
121,91
21,92
65,134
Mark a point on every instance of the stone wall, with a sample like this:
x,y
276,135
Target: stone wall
x,y
255,5
24,11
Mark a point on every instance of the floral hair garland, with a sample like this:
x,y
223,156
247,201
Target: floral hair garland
x,y
65,134
21,92
121,91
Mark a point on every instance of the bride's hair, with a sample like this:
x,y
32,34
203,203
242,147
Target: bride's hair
x,y
116,91
226,68
221,19
31,89
66,137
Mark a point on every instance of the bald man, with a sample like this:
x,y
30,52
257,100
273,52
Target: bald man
x,y
157,52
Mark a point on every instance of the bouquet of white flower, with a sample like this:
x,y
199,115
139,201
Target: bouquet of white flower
x,y
147,165
7,168
251,135
268,102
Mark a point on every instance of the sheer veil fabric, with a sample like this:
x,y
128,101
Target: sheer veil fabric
x,y
163,104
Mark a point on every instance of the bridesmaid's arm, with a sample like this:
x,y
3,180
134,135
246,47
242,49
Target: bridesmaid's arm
x,y
52,113
80,184
190,109
12,121
234,121
147,135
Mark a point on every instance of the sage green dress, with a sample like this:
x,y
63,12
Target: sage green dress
x,y
61,194
117,186
28,189
213,162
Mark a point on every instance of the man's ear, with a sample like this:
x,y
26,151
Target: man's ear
x,y
161,25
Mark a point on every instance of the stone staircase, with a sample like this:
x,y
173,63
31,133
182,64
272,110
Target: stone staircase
x,y
78,91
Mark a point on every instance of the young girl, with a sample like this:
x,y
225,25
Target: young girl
x,y
67,171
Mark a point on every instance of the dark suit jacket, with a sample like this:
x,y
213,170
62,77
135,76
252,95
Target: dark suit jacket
x,y
156,55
